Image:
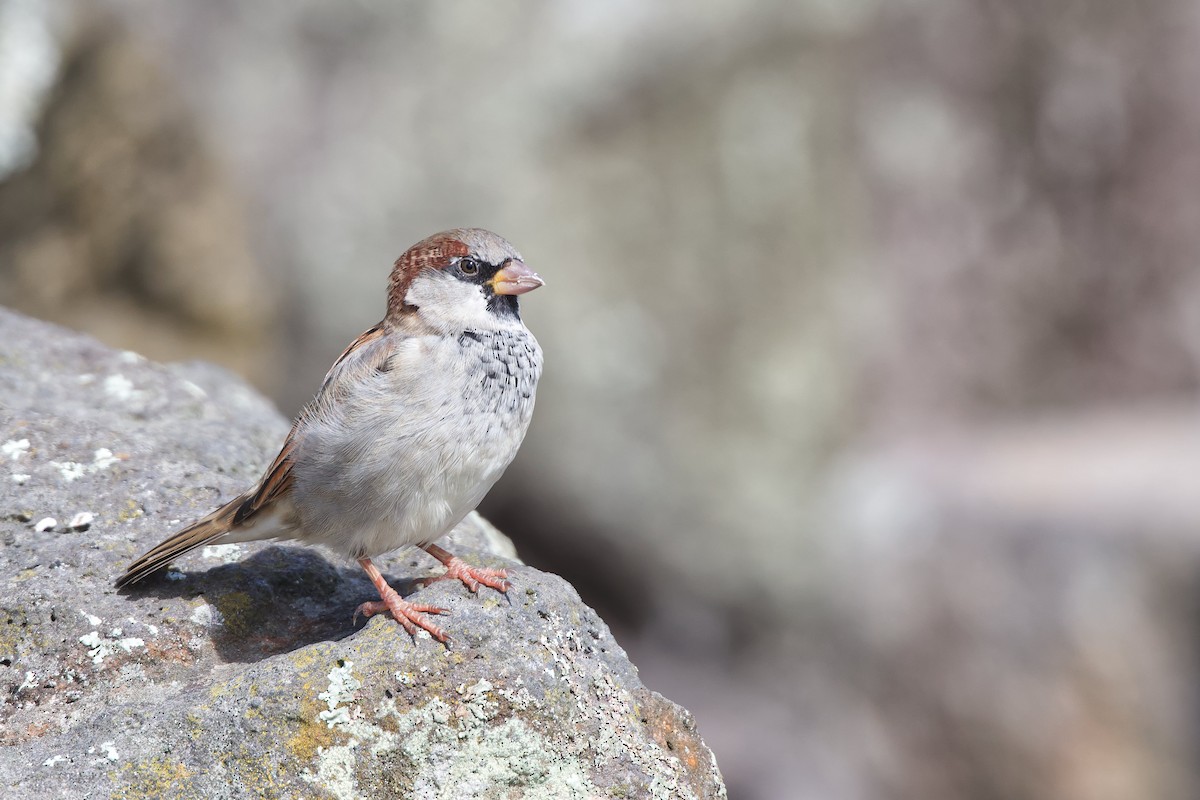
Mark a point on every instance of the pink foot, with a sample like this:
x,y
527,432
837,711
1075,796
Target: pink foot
x,y
409,615
472,577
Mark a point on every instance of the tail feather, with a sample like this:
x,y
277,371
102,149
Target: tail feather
x,y
199,533
264,512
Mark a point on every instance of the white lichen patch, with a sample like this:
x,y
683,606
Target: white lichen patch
x,y
456,748
343,688
467,741
153,629
225,553
70,470
518,698
335,772
476,700
336,765
102,458
14,448
206,615
52,760
130,357
92,619
19,478
473,758
108,753
101,648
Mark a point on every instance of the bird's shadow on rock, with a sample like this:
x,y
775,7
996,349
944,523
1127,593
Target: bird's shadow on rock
x,y
277,600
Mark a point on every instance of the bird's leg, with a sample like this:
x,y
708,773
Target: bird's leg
x,y
473,577
407,614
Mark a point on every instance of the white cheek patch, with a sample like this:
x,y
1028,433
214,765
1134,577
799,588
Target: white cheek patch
x,y
433,290
450,304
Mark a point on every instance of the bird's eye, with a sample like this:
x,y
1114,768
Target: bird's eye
x,y
468,266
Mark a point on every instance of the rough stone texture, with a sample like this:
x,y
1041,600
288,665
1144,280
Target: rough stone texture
x,y
243,673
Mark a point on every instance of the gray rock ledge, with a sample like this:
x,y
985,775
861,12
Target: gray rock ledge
x,y
242,673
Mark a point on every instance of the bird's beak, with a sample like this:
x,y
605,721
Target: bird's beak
x,y
515,278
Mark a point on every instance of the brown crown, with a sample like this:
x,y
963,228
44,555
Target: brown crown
x,y
432,253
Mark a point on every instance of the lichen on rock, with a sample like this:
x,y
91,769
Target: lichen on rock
x,y
243,673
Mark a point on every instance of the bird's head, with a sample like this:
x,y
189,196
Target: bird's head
x,y
462,278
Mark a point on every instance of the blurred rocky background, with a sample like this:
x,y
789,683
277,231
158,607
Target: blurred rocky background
x,y
872,329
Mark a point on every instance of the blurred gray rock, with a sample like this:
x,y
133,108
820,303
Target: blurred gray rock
x,y
1036,211
29,58
241,672
1010,611
116,216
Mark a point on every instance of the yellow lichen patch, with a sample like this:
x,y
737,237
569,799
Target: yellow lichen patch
x,y
195,726
257,774
231,687
240,613
131,511
157,777
237,686
311,664
310,736
434,687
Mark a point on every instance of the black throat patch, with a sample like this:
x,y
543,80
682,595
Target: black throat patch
x,y
502,305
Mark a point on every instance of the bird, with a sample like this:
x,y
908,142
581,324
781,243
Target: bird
x,y
412,425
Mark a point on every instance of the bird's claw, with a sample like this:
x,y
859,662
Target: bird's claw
x,y
472,577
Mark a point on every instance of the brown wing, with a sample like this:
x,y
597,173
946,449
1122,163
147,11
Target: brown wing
x,y
278,477
275,483
364,340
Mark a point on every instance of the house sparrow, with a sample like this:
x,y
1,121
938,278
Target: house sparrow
x,y
413,424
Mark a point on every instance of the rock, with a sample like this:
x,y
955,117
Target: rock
x,y
241,672
1010,610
